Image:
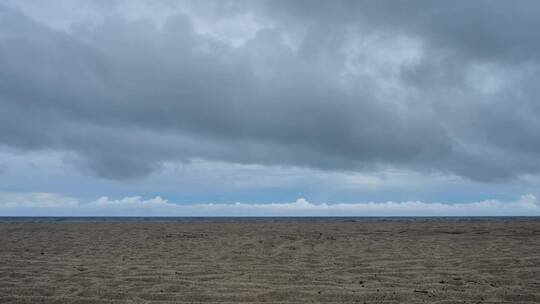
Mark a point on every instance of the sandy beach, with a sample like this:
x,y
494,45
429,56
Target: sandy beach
x,y
364,262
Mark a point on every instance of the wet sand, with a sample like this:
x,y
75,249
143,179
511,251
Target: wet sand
x,y
379,262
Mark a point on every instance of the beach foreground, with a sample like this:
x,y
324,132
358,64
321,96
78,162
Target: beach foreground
x,y
371,262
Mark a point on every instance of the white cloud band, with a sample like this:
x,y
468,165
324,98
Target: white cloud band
x,y
49,204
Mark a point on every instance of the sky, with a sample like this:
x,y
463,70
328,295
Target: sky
x,y
135,107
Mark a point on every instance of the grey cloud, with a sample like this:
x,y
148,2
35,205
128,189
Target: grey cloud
x,y
127,95
484,29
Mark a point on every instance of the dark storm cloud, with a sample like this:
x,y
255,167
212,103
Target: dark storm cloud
x,y
448,87
481,28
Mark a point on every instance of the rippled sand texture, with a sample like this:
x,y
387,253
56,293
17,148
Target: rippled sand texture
x,y
392,262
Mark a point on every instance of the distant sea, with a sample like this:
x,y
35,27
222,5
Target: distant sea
x,y
127,219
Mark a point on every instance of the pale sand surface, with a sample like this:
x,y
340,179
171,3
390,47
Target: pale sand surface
x,y
381,262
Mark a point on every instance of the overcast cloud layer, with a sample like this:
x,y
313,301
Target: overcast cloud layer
x,y
127,87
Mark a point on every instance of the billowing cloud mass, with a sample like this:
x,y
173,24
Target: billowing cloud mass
x,y
334,85
46,204
126,90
